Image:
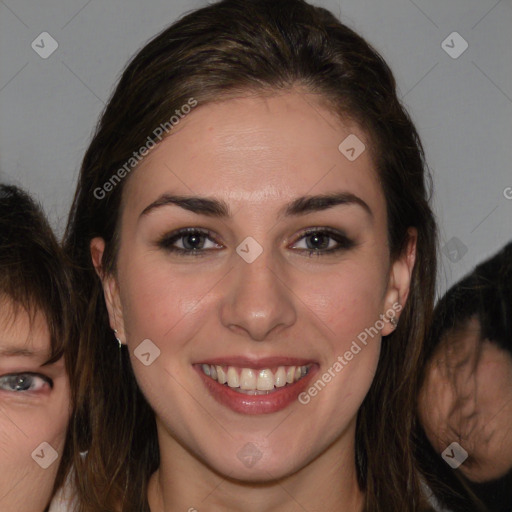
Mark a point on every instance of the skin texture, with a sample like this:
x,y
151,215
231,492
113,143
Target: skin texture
x,y
29,418
467,397
257,154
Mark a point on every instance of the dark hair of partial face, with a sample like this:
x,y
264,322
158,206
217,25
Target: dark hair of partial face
x,y
221,51
484,294
32,273
34,277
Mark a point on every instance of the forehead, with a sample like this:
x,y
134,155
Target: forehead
x,y
258,150
21,333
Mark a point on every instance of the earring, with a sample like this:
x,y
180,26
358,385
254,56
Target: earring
x,y
118,340
394,322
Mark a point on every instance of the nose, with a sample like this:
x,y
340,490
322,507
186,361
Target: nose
x,y
257,300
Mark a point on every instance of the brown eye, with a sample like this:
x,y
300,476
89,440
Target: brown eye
x,y
321,241
193,241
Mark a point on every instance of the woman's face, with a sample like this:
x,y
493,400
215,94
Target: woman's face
x,y
467,397
250,302
34,411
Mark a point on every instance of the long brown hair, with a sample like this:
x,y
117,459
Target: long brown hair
x,y
222,50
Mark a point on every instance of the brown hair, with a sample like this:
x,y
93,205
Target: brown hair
x,y
34,278
230,48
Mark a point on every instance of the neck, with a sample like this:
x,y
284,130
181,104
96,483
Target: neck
x,y
185,483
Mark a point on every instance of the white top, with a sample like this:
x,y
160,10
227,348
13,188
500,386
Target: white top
x,y
64,501
430,496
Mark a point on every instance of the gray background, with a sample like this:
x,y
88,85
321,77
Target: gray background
x,y
462,106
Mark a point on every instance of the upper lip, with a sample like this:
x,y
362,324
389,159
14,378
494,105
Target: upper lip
x,y
257,363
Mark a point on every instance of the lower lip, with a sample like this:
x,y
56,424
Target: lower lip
x,y
257,404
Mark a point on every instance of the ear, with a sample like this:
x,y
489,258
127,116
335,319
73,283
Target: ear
x,y
399,282
110,288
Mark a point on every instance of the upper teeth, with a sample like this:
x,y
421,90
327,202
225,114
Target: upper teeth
x,y
250,379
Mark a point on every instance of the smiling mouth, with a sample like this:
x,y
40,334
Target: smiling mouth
x,y
250,381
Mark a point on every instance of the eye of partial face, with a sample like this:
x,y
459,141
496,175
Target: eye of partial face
x,y
28,381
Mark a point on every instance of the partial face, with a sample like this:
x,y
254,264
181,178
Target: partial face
x,y
254,298
34,412
467,397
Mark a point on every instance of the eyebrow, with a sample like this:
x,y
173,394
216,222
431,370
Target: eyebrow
x,y
220,209
17,352
14,350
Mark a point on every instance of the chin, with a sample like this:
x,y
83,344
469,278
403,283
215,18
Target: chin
x,y
252,467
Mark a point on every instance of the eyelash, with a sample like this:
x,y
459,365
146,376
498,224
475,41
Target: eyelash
x,y
167,241
16,377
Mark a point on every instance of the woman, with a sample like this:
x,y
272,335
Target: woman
x,y
35,357
254,204
466,392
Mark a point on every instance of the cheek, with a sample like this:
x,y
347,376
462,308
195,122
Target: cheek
x,y
13,442
348,301
160,304
28,467
29,426
349,311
